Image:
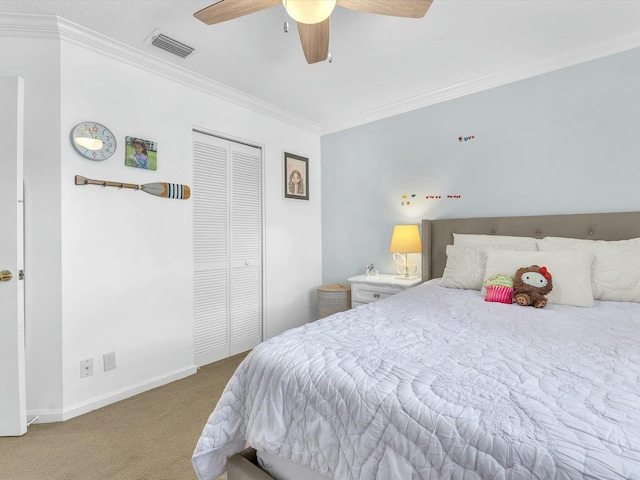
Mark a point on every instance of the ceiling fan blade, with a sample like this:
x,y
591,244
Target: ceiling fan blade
x,y
229,9
396,8
315,40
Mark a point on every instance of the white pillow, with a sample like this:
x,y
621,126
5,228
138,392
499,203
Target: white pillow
x,y
466,265
570,271
615,271
473,240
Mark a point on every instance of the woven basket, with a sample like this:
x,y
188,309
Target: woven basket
x,y
333,298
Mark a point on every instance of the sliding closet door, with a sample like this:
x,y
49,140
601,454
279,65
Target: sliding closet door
x,y
227,200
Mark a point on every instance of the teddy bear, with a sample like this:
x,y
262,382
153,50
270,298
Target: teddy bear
x,y
530,285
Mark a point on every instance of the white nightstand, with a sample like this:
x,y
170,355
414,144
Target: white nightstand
x,y
365,289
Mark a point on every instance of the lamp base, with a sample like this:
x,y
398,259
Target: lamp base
x,y
406,277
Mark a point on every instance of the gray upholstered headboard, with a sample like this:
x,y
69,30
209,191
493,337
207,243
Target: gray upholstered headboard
x,y
437,234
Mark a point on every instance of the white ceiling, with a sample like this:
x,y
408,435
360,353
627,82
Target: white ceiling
x,y
381,65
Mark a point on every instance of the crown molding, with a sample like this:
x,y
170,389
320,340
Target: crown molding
x,y
622,43
50,27
28,26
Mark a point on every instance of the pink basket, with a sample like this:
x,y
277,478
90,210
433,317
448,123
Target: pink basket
x,y
500,294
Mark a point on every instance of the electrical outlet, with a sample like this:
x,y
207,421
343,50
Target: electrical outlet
x,y
86,368
109,361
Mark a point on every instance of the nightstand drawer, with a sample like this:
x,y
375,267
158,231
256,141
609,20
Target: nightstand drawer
x,y
361,293
365,289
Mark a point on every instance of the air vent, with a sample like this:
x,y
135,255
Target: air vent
x,y
171,45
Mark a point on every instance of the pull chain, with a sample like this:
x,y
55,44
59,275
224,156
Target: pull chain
x,y
286,23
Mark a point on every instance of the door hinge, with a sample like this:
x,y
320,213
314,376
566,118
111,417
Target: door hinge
x,y
20,274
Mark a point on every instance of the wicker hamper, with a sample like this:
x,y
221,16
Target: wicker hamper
x,y
333,298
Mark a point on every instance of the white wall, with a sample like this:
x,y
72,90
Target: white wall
x,y
124,258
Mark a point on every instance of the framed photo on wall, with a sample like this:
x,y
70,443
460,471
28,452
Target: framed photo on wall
x,y
296,176
141,153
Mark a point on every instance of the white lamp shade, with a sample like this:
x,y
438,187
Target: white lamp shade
x,y
309,11
406,239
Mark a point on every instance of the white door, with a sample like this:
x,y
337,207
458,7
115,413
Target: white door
x,y
210,248
227,203
245,316
13,410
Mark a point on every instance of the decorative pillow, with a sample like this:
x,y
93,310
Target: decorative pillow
x,y
466,265
571,272
615,271
473,240
499,288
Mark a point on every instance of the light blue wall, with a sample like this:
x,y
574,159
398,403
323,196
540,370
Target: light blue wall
x,y
563,142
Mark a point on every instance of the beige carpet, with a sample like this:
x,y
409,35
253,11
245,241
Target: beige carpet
x,y
147,437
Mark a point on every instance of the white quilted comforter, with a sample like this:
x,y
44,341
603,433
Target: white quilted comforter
x,y
437,383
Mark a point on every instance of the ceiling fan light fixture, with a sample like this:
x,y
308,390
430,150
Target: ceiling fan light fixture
x,y
309,11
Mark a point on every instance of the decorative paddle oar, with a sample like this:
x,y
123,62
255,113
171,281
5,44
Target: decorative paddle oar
x,y
160,189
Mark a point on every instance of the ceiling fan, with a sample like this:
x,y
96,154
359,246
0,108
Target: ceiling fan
x,y
313,16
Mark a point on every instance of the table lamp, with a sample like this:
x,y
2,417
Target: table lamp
x,y
405,240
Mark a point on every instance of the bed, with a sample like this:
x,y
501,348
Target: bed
x,y
435,382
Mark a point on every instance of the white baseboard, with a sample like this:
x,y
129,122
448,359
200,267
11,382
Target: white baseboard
x,y
50,416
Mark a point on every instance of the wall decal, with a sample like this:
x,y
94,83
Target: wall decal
x,y
406,202
466,139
